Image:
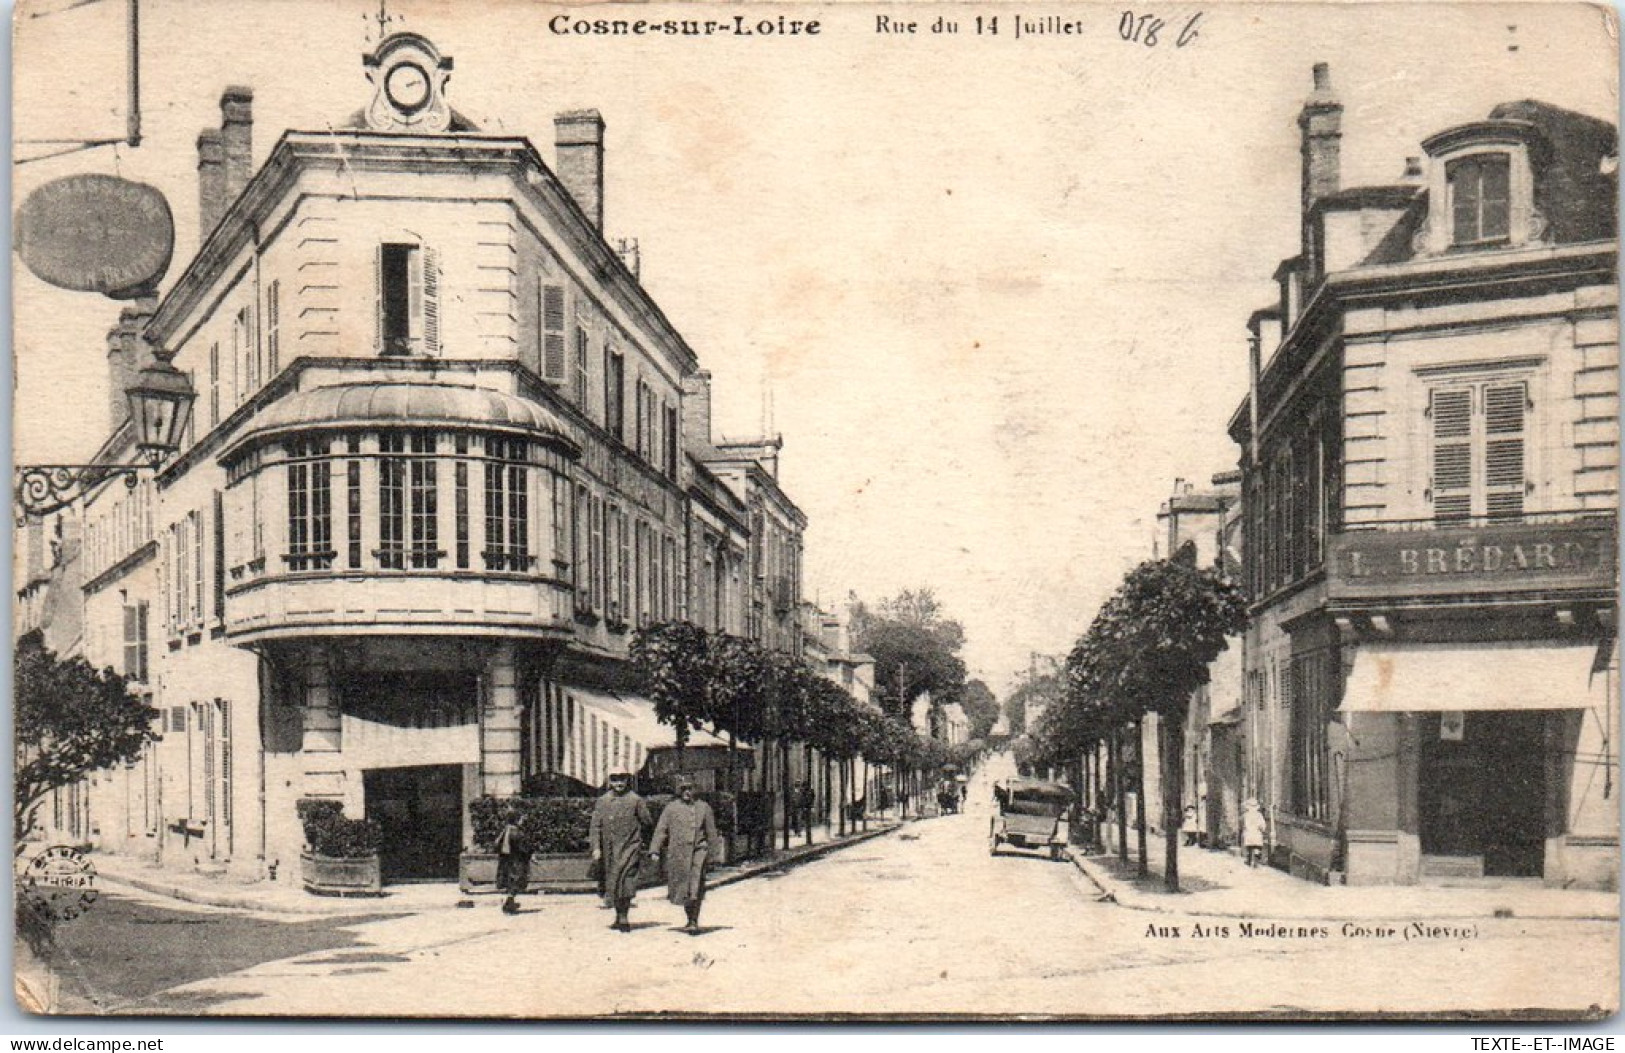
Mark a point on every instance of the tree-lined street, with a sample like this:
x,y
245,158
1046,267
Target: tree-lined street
x,y
922,921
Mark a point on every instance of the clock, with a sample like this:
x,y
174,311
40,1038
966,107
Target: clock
x,y
407,86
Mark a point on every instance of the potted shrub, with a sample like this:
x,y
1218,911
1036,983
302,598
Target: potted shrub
x,y
556,828
341,855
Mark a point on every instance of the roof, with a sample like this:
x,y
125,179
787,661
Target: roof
x,y
408,405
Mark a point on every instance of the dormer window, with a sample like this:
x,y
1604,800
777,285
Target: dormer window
x,y
1479,189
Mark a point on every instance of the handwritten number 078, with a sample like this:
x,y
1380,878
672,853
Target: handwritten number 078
x,y
1143,29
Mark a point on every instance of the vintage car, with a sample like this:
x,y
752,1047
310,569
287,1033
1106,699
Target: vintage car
x,y
1032,815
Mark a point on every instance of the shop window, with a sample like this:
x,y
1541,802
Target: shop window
x,y
1480,208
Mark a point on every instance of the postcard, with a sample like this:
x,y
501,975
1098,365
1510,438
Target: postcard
x,y
777,511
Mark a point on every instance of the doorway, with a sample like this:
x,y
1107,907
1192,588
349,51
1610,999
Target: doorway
x,y
419,812
1483,790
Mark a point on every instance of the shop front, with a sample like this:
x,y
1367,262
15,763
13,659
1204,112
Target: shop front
x,y
1495,754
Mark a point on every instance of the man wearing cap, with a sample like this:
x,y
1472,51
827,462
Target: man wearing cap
x,y
686,836
620,824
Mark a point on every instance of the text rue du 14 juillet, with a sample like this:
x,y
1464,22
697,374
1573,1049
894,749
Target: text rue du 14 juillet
x,y
1140,28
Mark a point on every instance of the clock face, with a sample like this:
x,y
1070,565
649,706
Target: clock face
x,y
408,86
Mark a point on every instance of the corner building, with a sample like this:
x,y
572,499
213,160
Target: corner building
x,y
1430,459
438,475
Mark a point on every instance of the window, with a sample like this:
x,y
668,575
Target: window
x,y
551,309
640,419
408,300
1312,690
214,384
596,556
581,368
242,355
615,394
1478,451
391,501
352,502
671,441
194,521
507,504
273,335
1479,198
460,501
310,505
623,565
425,504
135,641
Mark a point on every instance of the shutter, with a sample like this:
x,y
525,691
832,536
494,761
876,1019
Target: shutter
x,y
1504,474
552,310
131,653
1452,453
378,301
415,271
431,301
273,329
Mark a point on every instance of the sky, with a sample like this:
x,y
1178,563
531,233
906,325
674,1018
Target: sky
x,y
992,292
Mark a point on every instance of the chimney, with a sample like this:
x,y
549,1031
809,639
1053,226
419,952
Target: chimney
x,y
119,375
579,144
1413,170
131,356
1320,124
211,183
697,411
237,140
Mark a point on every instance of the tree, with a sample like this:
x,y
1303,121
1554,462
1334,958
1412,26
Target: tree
x,y
981,707
1148,649
915,648
69,720
676,670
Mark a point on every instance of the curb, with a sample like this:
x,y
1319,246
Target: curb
x,y
382,905
1116,892
809,855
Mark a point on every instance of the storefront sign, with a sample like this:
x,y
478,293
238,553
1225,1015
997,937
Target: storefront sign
x,y
1499,558
96,233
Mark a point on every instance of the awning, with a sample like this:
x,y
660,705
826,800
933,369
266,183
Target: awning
x,y
1409,678
635,718
587,734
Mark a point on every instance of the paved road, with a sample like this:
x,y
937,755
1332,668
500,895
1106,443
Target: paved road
x,y
918,922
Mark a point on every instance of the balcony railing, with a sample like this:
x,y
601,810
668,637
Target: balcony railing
x,y
1535,552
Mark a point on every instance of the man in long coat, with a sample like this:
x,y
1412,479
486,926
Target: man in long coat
x,y
686,837
620,824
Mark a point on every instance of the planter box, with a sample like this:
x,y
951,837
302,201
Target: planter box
x,y
329,876
477,871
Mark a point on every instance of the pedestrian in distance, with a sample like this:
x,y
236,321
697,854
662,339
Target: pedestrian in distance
x,y
513,864
1252,831
618,832
1189,827
686,839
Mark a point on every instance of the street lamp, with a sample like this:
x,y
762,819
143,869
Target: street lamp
x,y
160,405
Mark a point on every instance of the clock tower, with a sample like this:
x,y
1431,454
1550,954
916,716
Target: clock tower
x,y
409,80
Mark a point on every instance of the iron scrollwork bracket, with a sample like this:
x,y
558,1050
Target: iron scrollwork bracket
x,y
41,489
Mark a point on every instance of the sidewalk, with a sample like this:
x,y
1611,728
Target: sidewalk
x,y
1219,883
290,898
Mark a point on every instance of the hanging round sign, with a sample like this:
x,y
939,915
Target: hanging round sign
x,y
96,233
